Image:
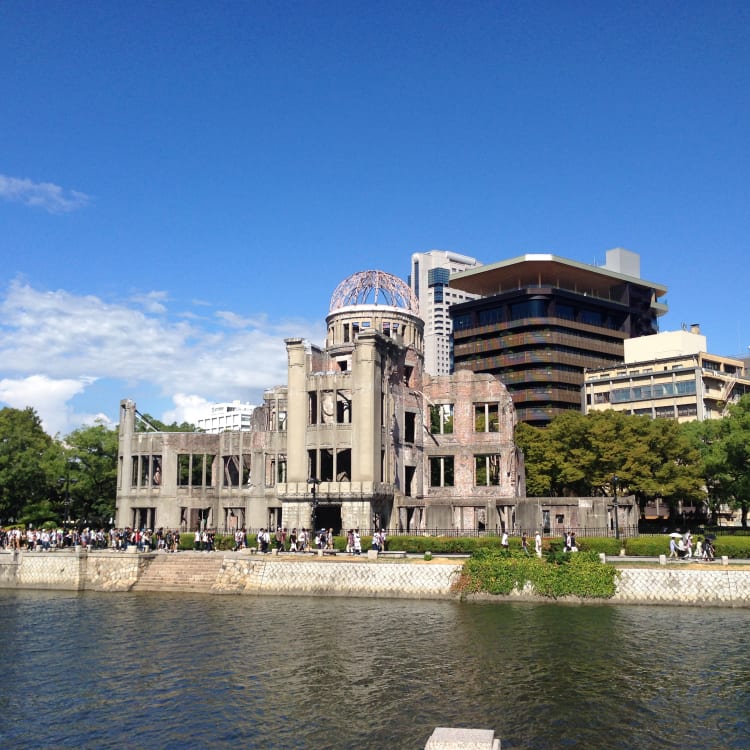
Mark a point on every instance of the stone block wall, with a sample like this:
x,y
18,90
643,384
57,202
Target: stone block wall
x,y
337,578
720,586
713,587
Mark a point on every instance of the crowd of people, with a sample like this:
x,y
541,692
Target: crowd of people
x,y
302,540
46,540
681,546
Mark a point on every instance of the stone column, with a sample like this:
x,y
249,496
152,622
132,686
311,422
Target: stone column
x,y
366,397
296,421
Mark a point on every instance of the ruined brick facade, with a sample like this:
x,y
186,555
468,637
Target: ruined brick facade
x,y
359,437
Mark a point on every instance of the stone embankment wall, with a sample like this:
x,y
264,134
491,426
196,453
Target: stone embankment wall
x,y
715,585
712,586
70,570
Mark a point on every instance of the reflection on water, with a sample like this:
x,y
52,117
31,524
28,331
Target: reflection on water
x,y
174,670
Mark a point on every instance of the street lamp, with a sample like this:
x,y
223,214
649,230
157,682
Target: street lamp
x,y
67,480
314,491
617,524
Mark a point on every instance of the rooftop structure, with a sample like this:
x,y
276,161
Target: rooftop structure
x,y
540,321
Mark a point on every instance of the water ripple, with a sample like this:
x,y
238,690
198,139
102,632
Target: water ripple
x,y
176,670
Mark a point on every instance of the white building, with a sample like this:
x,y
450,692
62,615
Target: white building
x,y
227,417
430,282
668,375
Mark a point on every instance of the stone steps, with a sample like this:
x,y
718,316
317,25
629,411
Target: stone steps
x,y
180,572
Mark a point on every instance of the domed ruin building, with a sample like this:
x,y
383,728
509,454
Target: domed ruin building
x,y
360,437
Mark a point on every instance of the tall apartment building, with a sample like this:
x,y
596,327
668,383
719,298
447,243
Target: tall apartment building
x,y
430,282
668,375
540,321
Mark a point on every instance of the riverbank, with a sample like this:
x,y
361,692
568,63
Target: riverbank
x,y
713,584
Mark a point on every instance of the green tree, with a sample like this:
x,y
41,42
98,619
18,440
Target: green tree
x,y
147,422
579,454
724,445
25,450
90,471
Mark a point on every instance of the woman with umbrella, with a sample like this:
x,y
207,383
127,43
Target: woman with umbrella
x,y
673,544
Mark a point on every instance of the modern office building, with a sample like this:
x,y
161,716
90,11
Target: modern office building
x,y
430,281
359,437
540,321
668,375
226,417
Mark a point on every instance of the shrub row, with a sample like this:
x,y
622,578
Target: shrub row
x,y
579,574
647,546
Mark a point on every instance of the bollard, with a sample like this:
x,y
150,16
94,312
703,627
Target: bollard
x,y
602,557
724,560
662,559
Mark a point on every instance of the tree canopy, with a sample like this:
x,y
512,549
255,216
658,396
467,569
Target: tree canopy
x,y
724,446
580,455
43,479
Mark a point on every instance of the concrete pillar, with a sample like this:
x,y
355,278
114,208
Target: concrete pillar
x,y
296,421
366,423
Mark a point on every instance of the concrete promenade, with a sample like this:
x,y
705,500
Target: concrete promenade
x,y
640,581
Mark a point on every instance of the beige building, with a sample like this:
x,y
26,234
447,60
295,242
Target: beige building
x,y
359,437
667,375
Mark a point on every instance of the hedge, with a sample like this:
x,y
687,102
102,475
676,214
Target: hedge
x,y
581,574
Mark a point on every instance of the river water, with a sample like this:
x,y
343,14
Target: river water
x,y
151,670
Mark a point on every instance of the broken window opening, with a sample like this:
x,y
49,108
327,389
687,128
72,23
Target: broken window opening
x,y
441,419
409,474
327,407
312,416
441,471
343,465
326,465
486,418
231,471
487,470
410,421
344,407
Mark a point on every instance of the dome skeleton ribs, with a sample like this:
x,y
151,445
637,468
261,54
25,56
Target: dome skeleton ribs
x,y
369,288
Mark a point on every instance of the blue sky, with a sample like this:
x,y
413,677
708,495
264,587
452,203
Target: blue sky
x,y
184,184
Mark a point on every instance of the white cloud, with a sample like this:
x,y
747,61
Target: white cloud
x,y
188,408
153,302
46,195
54,345
49,398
